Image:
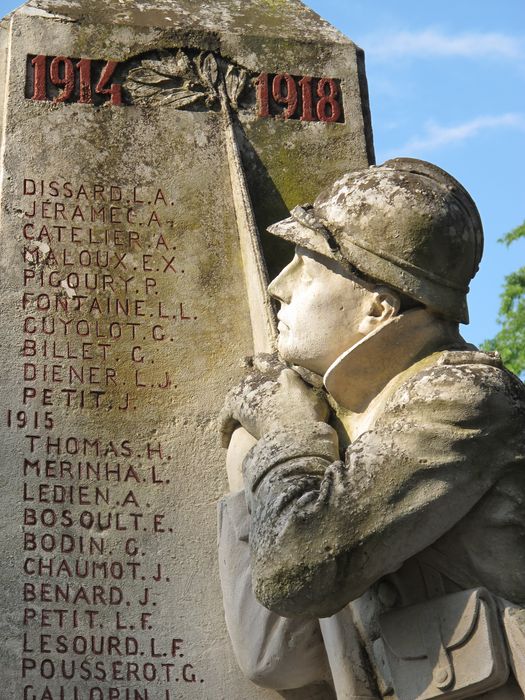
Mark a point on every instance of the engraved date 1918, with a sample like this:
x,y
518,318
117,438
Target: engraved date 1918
x,y
305,98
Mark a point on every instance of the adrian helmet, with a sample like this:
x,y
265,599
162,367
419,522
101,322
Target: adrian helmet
x,y
406,223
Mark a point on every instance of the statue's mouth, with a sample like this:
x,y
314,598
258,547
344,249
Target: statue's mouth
x,y
281,325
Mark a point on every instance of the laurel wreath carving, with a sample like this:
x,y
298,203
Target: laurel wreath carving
x,y
179,80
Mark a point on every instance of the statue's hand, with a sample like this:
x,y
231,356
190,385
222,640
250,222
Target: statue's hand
x,y
272,396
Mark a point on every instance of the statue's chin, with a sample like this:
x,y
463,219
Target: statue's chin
x,y
292,356
288,354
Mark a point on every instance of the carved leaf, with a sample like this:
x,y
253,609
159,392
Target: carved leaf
x,y
235,84
141,92
147,76
178,66
162,72
208,70
176,97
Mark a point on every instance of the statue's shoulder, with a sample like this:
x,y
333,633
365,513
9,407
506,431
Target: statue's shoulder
x,y
486,369
470,357
466,380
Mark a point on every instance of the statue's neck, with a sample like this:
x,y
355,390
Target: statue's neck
x,y
361,373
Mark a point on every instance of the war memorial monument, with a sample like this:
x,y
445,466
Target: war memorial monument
x,y
161,163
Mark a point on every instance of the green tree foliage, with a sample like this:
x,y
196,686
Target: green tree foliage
x,y
510,340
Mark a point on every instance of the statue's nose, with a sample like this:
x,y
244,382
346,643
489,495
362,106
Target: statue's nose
x,y
281,287
277,289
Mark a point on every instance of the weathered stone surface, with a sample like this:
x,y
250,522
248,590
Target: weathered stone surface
x,y
125,317
281,18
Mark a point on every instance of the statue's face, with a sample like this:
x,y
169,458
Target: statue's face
x,y
321,310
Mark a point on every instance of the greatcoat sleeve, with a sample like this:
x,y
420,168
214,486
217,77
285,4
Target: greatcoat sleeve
x,y
324,530
272,651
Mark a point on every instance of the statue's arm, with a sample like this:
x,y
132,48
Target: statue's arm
x,y
324,530
272,651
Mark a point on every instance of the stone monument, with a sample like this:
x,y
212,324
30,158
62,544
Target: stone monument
x,y
133,136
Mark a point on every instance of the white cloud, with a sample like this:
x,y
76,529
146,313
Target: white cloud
x,y
432,42
436,136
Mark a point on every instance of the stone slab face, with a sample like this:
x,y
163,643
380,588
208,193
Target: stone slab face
x,y
125,318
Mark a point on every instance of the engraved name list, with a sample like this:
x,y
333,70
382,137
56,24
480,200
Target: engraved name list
x,y
93,260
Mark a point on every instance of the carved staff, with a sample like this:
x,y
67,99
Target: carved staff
x,y
229,88
264,332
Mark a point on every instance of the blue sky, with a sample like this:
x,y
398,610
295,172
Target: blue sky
x,y
447,84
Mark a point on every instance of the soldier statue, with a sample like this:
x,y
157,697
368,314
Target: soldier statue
x,y
373,543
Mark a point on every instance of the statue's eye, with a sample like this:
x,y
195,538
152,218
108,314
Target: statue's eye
x,y
307,274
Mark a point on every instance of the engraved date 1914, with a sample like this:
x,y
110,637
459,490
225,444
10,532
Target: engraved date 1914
x,y
63,79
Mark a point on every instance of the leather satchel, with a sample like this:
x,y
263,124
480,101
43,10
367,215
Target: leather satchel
x,y
449,647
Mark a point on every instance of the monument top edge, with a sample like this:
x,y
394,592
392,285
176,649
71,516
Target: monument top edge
x,y
273,18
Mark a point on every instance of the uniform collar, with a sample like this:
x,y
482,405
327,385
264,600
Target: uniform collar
x,y
362,371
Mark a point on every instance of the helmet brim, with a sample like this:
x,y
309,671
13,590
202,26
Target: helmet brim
x,y
293,231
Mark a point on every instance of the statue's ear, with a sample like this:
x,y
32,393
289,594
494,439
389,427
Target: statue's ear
x,y
383,305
